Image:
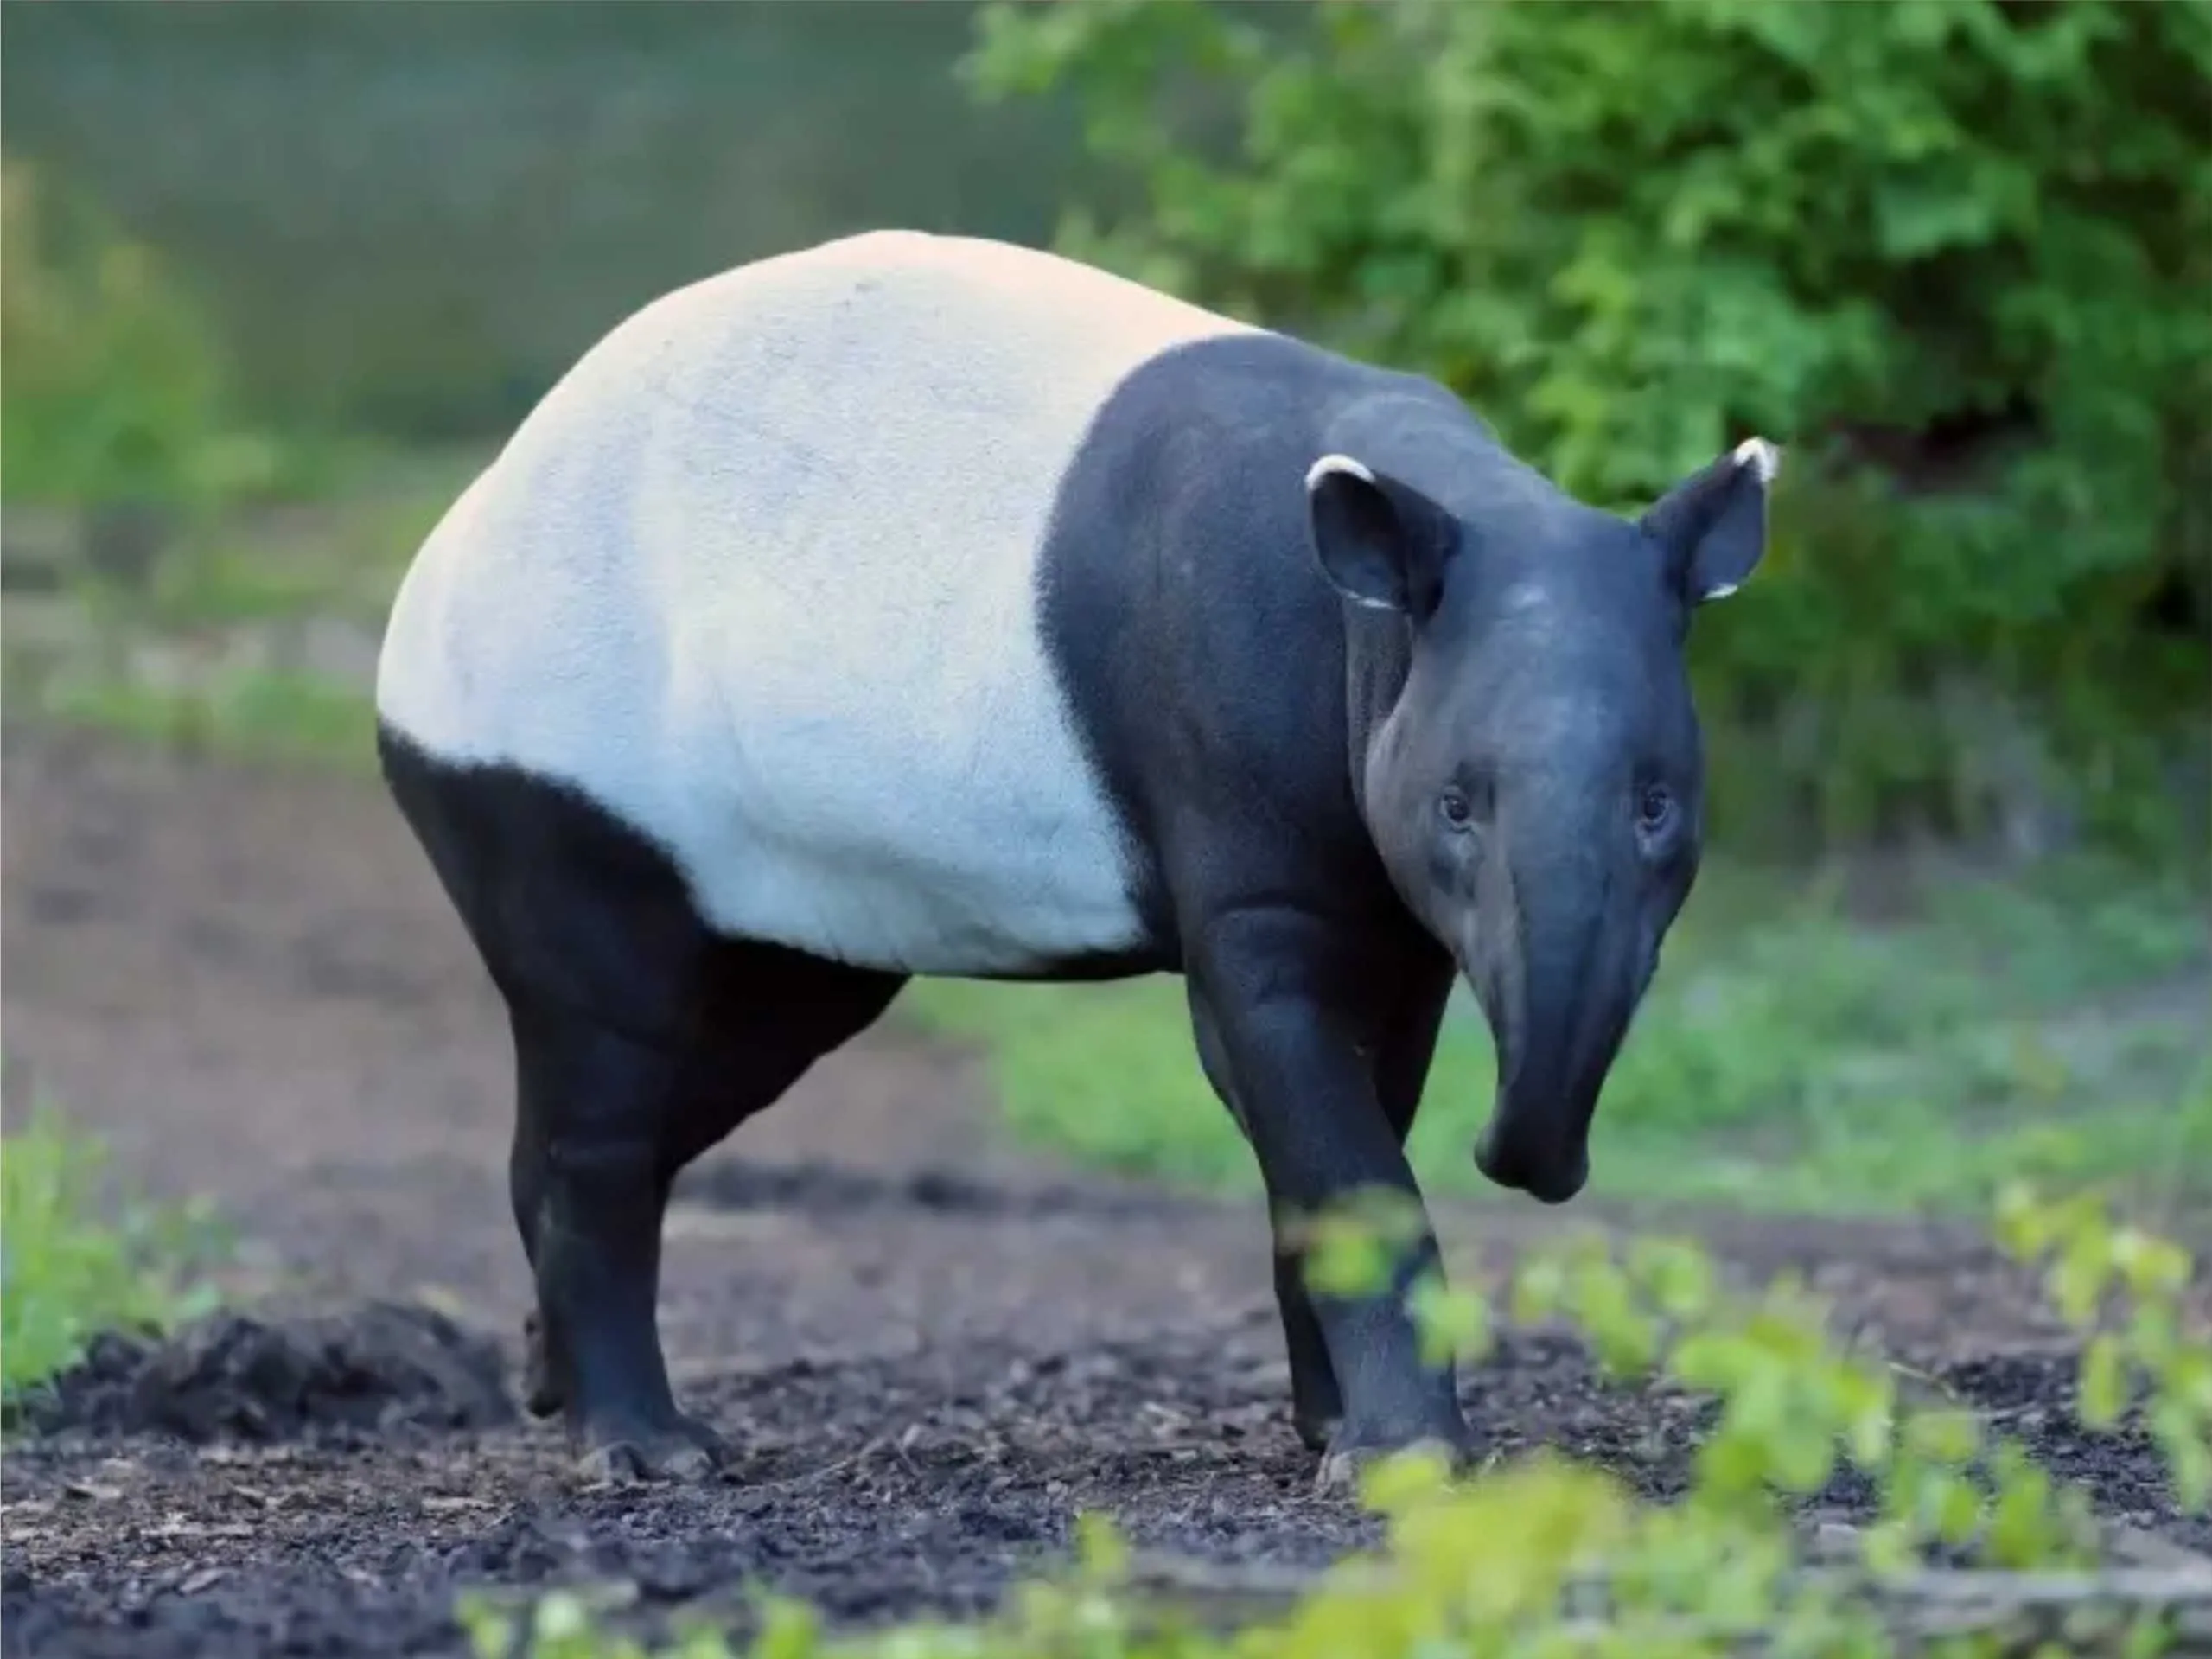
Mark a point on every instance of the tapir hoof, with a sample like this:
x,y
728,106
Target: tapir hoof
x,y
1313,1431
541,1395
1343,1465
683,1450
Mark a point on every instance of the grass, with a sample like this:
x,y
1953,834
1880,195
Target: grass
x,y
253,635
1788,1057
77,1258
248,714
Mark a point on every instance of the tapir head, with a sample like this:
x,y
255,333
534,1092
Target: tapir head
x,y
1536,792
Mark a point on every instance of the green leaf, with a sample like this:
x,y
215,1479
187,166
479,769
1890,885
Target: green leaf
x,y
1451,1324
1804,1458
1864,1405
2103,1389
1949,1506
490,1629
2186,1439
1344,1259
1678,1275
1887,1547
1539,1291
1942,1436
1403,1480
2186,1378
2150,1266
1100,1549
2077,1279
1732,1463
789,1629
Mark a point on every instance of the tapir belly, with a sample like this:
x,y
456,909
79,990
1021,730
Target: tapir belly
x,y
761,578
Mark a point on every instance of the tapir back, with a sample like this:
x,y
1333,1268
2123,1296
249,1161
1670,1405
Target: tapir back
x,y
760,575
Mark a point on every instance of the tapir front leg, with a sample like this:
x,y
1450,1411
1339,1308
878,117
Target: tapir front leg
x,y
1316,1404
1289,1020
1398,1061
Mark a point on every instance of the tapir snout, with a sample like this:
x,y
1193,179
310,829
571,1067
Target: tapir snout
x,y
1558,975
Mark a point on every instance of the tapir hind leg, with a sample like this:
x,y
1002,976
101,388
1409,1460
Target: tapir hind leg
x,y
605,1121
641,1039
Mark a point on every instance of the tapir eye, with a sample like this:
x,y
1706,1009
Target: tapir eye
x,y
1654,809
1457,809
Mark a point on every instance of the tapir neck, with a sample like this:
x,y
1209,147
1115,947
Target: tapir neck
x,y
1378,655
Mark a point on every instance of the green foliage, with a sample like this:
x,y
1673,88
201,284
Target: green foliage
x,y
115,389
2120,1287
1544,1556
1786,1056
74,1264
1954,253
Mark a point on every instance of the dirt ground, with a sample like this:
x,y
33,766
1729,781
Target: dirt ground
x,y
930,1353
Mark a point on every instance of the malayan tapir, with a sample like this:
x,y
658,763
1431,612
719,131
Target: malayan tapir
x,y
920,604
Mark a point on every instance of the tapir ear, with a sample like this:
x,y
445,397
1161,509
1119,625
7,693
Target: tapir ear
x,y
1382,544
1714,524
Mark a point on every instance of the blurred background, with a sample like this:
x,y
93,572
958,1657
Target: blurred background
x,y
279,277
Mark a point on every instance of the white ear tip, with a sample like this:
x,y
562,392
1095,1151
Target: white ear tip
x,y
1329,464
1761,456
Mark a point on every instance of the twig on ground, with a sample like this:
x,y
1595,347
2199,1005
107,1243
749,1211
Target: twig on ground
x,y
835,1466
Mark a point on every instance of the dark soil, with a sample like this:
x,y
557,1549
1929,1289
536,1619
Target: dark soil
x,y
929,1355
357,1376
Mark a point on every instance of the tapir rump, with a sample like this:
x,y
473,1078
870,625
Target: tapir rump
x,y
916,604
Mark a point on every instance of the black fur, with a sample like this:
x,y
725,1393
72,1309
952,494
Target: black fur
x,y
641,1039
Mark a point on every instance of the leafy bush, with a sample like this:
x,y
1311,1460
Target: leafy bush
x,y
1548,1557
1955,253
71,1265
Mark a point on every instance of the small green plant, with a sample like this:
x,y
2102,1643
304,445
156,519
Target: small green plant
x,y
1543,1558
2120,1287
75,1261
